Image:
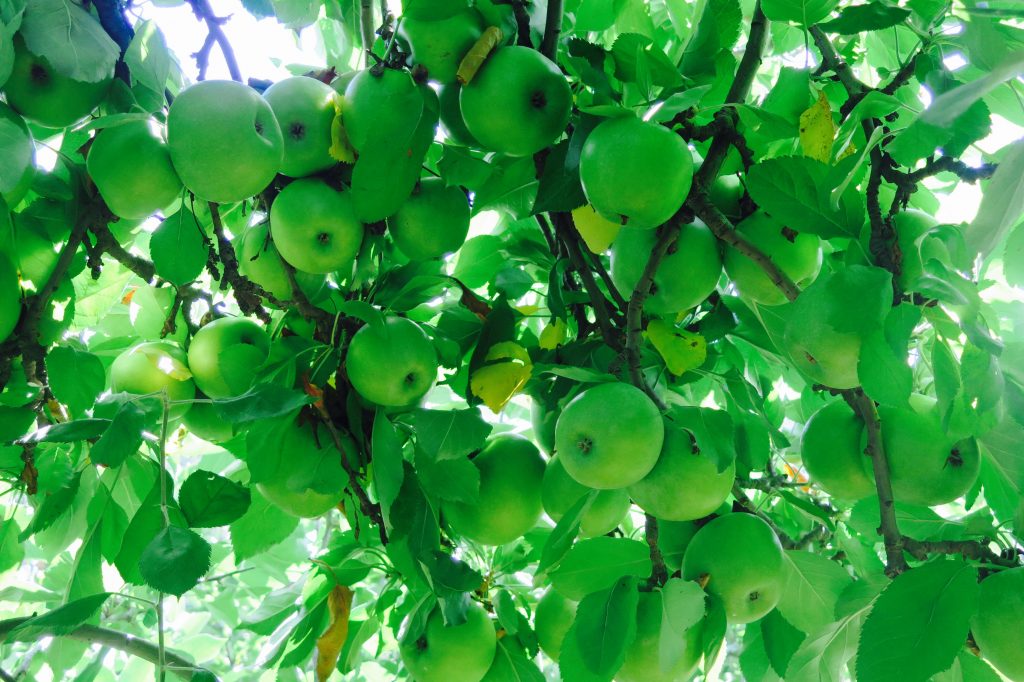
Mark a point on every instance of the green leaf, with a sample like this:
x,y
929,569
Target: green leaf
x,y
781,641
387,461
61,620
147,56
804,12
873,16
598,15
596,563
263,401
70,39
511,188
711,429
52,507
1013,257
123,437
11,550
605,625
208,500
919,623
886,378
178,248
16,146
793,189
450,434
70,432
1002,204
147,522
505,610
682,607
76,377
560,188
636,55
564,533
813,586
260,528
717,30
823,656
175,560
512,665
859,297
449,574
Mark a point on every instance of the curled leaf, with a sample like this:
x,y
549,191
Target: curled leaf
x,y
330,644
474,59
506,370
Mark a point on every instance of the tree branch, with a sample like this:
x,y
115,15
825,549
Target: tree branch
x,y
370,510
522,21
968,549
246,292
366,31
552,28
215,34
106,243
659,573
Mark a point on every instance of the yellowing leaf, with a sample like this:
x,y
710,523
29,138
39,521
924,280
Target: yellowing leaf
x,y
328,647
528,310
474,59
506,371
553,335
818,130
341,148
681,350
597,231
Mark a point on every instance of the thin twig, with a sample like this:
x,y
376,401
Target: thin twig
x,y
370,510
366,31
969,549
215,34
246,292
659,573
606,322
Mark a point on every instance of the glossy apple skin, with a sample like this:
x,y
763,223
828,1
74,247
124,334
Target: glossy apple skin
x,y
132,169
21,149
824,354
439,45
926,466
393,366
259,260
152,367
224,140
511,470
381,107
304,108
450,113
36,91
551,621
518,103
643,661
635,172
695,253
458,653
560,491
10,297
227,335
203,421
832,451
315,227
684,485
742,558
800,259
609,436
433,222
997,624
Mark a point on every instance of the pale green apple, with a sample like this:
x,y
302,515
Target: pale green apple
x,y
451,653
392,365
132,169
315,227
438,45
305,110
150,369
832,451
382,106
450,113
224,140
225,354
259,261
643,657
996,626
551,621
511,470
203,421
560,491
518,103
433,222
798,255
20,152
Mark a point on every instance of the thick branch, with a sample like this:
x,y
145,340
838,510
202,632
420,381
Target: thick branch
x,y
106,243
370,510
522,21
246,292
969,549
215,34
552,29
659,573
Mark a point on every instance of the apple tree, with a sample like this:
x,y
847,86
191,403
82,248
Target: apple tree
x,y
513,340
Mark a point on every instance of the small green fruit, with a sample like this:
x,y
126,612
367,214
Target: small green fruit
x,y
433,222
132,169
315,227
305,109
997,624
10,297
551,622
798,255
393,365
455,653
151,368
20,151
259,261
560,491
439,45
225,355
832,452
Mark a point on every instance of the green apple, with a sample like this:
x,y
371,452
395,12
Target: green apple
x,y
315,227
823,353
306,504
796,254
685,484
500,14
438,45
518,103
926,466
635,172
511,470
381,106
20,152
643,658
673,539
560,491
225,142
10,297
452,653
726,193
432,10
225,354
741,559
552,620
392,365
911,225
203,421
40,231
132,169
151,368
37,91
305,109
832,452
305,452
259,261
433,222
997,624
609,436
450,112
694,253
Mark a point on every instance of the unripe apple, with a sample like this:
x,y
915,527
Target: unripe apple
x,y
381,106
37,91
518,103
832,452
635,172
433,222
451,653
439,45
305,109
450,112
560,491
224,140
132,169
259,261
315,227
392,365
551,621
643,658
432,10
798,255
997,624
20,150
825,354
225,355
151,368
203,421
